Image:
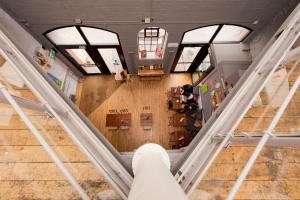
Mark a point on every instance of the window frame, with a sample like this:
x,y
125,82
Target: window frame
x,y
154,42
205,46
92,50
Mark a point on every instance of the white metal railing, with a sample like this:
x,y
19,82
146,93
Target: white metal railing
x,y
101,153
260,71
43,142
263,140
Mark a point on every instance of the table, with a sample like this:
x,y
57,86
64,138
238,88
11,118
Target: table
x,y
179,119
176,105
146,73
175,99
146,119
118,120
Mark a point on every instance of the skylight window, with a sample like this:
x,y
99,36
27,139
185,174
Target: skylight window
x,y
66,36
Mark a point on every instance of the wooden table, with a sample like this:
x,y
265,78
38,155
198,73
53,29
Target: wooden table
x,y
146,73
179,119
146,119
175,99
118,120
176,105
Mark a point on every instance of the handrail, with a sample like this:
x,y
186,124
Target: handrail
x,y
43,142
263,141
234,107
101,153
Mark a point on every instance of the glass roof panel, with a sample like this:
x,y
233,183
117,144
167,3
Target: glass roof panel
x,y
100,37
80,56
111,59
66,36
231,33
200,35
188,54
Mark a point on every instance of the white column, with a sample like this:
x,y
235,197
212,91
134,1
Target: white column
x,y
152,176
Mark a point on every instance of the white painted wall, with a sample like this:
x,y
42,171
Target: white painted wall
x,y
261,38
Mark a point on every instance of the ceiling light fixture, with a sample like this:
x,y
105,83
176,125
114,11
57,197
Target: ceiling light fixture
x,y
147,20
78,21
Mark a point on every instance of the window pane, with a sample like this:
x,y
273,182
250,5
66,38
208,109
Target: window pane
x,y
182,67
231,33
111,59
200,35
91,69
147,40
188,54
147,47
80,56
154,46
100,37
151,55
205,64
66,36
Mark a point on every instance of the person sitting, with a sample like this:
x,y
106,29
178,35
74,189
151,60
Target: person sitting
x,y
191,107
187,89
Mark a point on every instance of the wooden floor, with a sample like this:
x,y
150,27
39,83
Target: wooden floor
x,y
137,97
95,90
275,175
259,117
27,171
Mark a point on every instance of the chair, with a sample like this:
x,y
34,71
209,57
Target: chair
x,y
171,121
147,128
124,127
112,128
178,139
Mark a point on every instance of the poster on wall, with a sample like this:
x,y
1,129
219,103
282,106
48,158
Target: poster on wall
x,y
56,80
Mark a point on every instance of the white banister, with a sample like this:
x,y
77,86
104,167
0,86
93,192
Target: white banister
x,y
263,141
43,142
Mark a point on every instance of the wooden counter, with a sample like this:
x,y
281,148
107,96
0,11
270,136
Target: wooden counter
x,y
146,73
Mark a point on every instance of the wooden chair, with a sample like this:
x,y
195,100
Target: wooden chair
x,y
178,139
147,128
112,128
124,127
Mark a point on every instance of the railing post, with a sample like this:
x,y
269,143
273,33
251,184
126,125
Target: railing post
x,y
263,141
43,142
